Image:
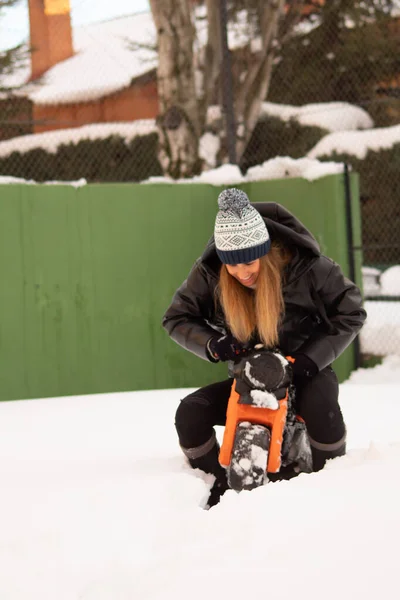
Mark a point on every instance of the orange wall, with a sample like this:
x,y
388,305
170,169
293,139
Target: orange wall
x,y
140,101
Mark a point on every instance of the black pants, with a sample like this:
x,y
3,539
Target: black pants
x,y
316,401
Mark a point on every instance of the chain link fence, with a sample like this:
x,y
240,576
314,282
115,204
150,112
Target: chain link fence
x,y
334,95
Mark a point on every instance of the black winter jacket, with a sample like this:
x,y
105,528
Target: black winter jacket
x,y
323,309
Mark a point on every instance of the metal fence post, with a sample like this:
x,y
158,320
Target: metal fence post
x,y
350,249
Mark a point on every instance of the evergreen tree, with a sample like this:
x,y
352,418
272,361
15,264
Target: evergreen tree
x,y
344,50
10,59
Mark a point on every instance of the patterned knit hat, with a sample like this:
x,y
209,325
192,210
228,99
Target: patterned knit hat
x,y
240,233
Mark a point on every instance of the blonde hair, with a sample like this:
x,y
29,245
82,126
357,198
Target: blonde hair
x,y
248,311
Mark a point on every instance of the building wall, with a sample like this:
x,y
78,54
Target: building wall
x,y
15,117
140,101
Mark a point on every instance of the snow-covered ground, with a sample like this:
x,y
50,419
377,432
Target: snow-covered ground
x,y
380,335
97,503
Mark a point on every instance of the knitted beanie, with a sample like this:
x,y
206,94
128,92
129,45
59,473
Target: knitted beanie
x,y
240,233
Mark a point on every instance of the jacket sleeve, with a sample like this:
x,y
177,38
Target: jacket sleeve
x,y
342,302
186,318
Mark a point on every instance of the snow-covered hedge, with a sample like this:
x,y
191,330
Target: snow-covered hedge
x,y
127,152
283,130
274,137
112,158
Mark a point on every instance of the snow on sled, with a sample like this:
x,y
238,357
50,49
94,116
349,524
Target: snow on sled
x,y
263,435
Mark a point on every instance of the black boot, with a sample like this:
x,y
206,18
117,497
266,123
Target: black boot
x,y
209,463
323,452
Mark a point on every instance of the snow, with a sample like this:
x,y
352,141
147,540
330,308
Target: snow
x,y
6,180
208,148
371,271
264,399
387,372
371,281
97,502
357,143
333,116
381,283
51,140
281,167
380,335
390,281
276,168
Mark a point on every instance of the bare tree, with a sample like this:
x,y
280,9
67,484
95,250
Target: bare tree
x,y
189,69
179,120
187,81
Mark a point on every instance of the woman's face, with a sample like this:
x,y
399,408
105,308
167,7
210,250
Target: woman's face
x,y
245,273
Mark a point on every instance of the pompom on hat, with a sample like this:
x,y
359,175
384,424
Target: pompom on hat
x,y
240,233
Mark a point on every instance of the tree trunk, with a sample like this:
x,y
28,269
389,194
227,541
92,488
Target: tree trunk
x,y
212,58
254,89
179,120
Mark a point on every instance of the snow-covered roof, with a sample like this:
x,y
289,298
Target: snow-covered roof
x,y
108,56
356,143
104,61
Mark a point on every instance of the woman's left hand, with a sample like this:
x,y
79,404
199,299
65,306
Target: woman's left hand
x,y
303,367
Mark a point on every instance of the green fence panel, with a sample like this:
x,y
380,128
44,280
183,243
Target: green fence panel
x,y
88,272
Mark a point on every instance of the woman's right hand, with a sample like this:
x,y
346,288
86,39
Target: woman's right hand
x,y
225,348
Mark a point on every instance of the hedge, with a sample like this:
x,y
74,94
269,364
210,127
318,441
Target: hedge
x,y
114,160
110,159
273,137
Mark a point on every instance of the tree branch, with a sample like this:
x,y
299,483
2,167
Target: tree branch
x,y
254,89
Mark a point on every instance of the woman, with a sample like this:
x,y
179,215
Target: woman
x,y
262,279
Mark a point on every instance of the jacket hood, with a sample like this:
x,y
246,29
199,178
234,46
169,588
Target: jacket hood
x,y
283,226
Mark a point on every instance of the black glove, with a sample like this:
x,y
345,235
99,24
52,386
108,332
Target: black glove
x,y
225,348
303,367
220,486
